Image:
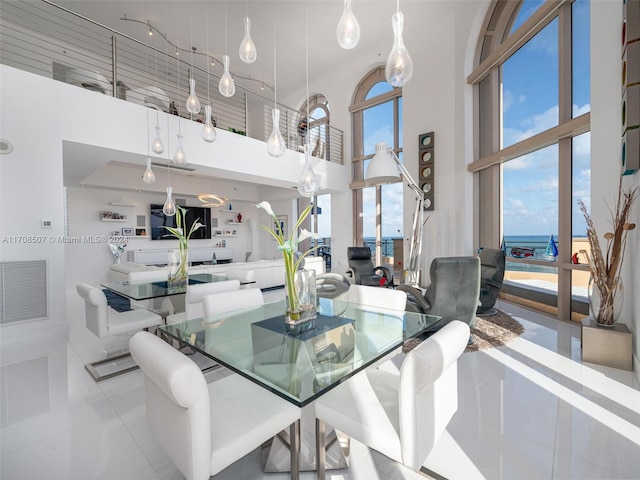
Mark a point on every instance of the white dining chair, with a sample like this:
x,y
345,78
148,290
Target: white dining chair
x,y
377,329
385,298
203,427
195,293
223,302
243,275
105,322
401,416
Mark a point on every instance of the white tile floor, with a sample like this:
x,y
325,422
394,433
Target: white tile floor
x,y
530,410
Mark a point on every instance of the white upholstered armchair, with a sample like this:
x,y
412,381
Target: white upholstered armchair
x,y
203,427
401,416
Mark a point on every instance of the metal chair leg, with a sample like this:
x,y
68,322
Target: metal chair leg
x,y
294,448
320,449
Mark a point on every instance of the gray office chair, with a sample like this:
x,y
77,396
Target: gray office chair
x,y
362,271
492,267
453,293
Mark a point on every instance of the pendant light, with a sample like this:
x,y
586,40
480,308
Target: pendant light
x,y
157,146
275,144
209,134
179,158
348,31
148,177
308,185
247,50
169,208
226,86
193,104
399,67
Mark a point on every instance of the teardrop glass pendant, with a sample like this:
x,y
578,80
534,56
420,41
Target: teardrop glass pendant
x,y
193,104
275,144
399,68
157,145
226,87
247,51
209,134
149,177
308,185
169,208
179,158
348,31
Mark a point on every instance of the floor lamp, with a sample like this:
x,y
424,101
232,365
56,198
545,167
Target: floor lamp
x,y
385,167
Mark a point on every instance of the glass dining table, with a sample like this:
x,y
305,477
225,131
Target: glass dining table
x,y
343,339
161,288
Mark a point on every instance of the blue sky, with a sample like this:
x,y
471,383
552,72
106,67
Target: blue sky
x,y
530,106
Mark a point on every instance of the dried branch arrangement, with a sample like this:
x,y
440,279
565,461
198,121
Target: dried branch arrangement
x,y
605,264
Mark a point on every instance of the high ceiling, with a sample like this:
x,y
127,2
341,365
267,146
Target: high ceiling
x,y
294,25
201,24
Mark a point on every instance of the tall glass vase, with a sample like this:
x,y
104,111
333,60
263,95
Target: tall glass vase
x,y
177,264
300,296
605,300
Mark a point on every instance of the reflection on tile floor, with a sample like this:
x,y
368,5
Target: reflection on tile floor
x,y
529,410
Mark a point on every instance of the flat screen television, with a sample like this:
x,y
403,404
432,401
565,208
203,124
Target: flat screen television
x,y
159,219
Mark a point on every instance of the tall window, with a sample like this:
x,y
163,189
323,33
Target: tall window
x,y
319,133
376,112
532,86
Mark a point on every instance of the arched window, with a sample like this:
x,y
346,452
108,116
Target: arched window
x,y
531,84
319,120
377,117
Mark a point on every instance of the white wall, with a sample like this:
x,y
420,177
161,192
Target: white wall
x,y
606,111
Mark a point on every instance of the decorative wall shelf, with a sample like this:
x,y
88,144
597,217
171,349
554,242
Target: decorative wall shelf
x,y
230,211
114,219
122,204
234,223
227,235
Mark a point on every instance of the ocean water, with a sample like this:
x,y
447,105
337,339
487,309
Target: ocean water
x,y
537,242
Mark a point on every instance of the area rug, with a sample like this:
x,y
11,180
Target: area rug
x,y
488,332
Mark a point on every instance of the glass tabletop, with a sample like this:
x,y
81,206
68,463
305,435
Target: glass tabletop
x,y
147,290
344,339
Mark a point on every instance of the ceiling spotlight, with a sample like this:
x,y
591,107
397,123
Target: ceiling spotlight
x,y
150,30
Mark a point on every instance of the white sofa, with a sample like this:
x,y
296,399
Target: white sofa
x,y
267,273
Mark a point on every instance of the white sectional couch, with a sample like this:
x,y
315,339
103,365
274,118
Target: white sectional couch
x,y
267,273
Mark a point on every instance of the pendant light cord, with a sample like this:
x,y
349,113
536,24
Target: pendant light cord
x,y
178,58
306,26
208,63
225,27
275,71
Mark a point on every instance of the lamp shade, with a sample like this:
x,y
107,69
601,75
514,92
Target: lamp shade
x,y
382,167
